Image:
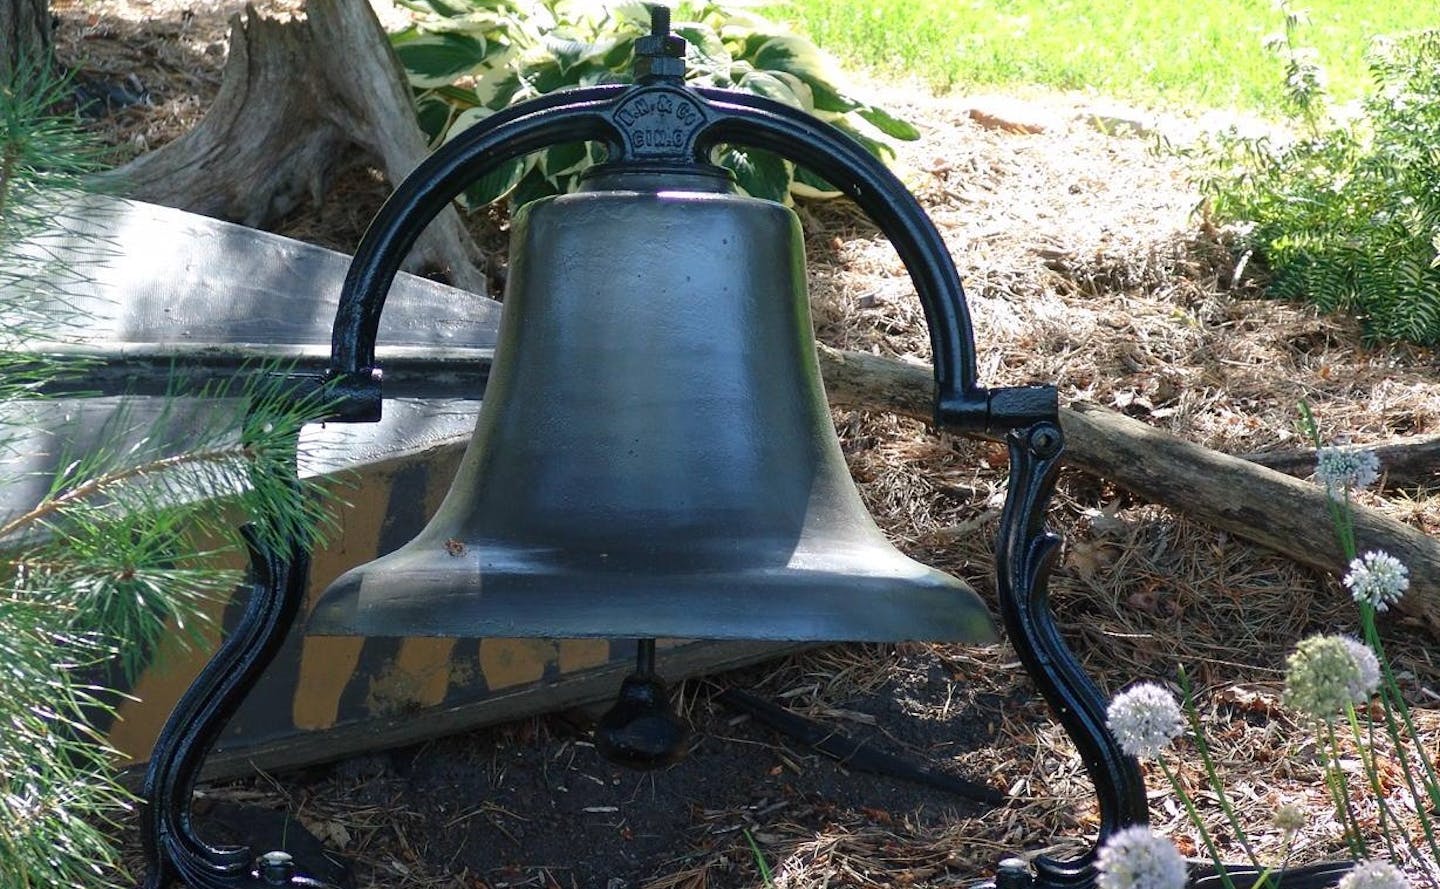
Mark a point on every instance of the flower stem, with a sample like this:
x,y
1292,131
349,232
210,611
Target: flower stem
x,y
1211,774
1340,793
1372,775
1392,701
1195,819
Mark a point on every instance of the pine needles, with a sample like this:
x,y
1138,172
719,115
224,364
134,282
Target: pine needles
x,y
121,546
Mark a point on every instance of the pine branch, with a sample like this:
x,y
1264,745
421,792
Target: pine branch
x,y
103,483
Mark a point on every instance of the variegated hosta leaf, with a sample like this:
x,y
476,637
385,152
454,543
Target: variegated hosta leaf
x,y
889,124
620,58
763,83
559,161
760,174
497,183
441,8
631,15
570,52
531,187
439,59
478,23
707,53
435,116
598,76
808,185
797,56
528,48
803,93
499,84
874,146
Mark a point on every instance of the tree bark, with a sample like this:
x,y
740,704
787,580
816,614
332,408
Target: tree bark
x,y
1259,504
295,99
24,35
1404,463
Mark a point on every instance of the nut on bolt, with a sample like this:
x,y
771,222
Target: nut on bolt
x,y
276,868
1013,873
1045,440
660,53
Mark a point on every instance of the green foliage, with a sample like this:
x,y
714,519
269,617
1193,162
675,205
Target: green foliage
x,y
468,59
119,549
1346,215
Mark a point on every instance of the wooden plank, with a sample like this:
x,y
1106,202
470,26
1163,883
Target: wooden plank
x,y
163,288
558,690
157,287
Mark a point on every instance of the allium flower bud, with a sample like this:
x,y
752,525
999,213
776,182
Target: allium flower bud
x,y
1322,677
1369,666
1341,470
1144,719
1374,875
1378,579
1135,858
1289,818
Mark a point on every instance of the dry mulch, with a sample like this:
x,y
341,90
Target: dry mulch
x,y
1086,264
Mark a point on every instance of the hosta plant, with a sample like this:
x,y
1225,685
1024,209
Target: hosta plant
x,y
468,59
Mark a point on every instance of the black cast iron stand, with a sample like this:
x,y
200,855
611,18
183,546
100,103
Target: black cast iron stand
x,y
694,121
277,578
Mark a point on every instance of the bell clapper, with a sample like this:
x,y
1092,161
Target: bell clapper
x,y
641,730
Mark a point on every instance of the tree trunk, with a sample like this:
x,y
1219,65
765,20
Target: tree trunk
x,y
296,98
1261,505
24,35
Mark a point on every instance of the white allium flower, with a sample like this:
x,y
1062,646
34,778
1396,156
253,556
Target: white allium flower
x,y
1378,578
1369,666
1135,858
1289,818
1374,875
1144,719
1342,469
1322,676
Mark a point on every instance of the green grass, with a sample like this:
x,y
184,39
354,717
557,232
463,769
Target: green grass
x,y
1198,53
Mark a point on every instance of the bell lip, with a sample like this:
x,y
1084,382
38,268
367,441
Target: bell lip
x,y
784,605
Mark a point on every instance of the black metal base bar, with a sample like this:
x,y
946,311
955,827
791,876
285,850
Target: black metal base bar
x,y
1204,875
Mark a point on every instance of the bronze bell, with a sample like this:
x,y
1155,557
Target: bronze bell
x,y
654,456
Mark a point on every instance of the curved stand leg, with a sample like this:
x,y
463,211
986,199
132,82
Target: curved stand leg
x,y
172,850
1025,553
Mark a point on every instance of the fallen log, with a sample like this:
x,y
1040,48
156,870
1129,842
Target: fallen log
x,y
1264,506
296,99
1410,462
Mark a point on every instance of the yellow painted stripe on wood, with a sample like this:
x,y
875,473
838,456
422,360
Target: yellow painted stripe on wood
x,y
580,654
327,662
138,721
179,657
418,677
509,662
422,670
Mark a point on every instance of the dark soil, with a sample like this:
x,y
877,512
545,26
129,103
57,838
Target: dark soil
x,y
534,803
